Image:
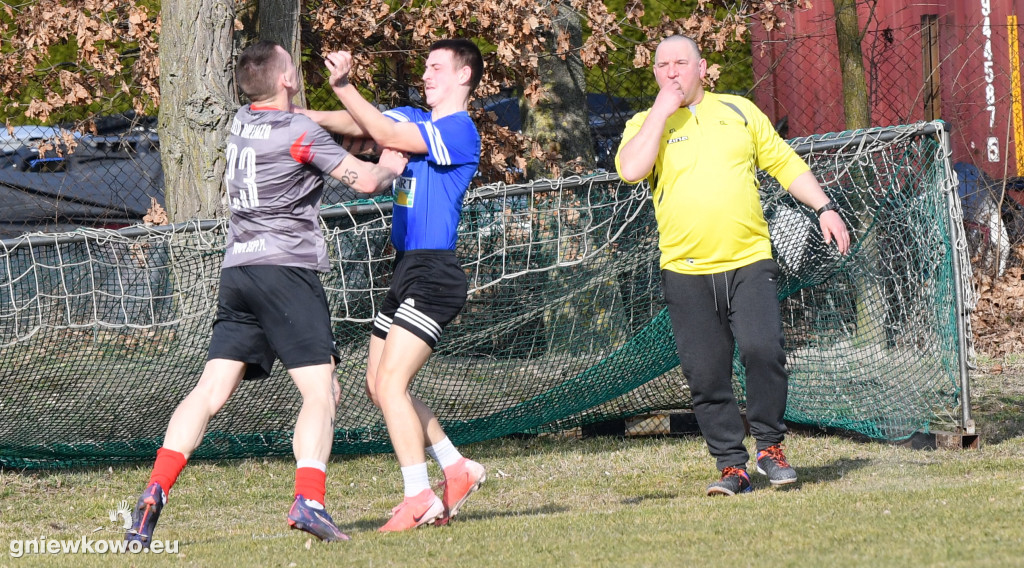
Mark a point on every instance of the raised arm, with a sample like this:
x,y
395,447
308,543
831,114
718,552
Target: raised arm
x,y
367,177
403,136
642,149
336,121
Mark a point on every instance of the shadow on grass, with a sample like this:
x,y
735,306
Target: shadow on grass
x,y
373,525
649,497
525,445
813,475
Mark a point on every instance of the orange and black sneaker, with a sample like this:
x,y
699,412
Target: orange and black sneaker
x,y
734,480
772,463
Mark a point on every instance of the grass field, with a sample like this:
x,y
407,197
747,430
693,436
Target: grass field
x,y
579,502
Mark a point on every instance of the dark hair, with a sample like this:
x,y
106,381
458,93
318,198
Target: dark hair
x,y
258,68
464,53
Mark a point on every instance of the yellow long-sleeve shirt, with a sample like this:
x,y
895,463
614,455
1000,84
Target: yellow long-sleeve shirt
x,y
705,186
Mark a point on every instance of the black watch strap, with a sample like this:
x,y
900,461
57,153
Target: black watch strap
x,y
830,206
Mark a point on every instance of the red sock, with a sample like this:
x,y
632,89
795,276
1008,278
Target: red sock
x,y
168,466
311,483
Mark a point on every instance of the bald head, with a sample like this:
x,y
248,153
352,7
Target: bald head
x,y
678,65
674,40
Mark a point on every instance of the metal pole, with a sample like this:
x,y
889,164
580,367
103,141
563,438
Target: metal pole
x,y
956,229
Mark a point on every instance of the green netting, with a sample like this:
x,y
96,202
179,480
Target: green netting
x,y
102,333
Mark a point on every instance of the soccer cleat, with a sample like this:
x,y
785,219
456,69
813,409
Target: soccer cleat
x,y
772,462
461,479
734,480
424,508
146,513
310,516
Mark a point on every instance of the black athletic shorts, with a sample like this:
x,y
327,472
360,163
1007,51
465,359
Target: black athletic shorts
x,y
427,291
263,311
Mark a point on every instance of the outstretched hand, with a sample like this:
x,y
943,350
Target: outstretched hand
x,y
339,63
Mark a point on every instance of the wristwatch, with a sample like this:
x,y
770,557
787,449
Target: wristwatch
x,y
830,206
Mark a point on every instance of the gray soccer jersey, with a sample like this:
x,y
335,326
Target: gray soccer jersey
x,y
275,164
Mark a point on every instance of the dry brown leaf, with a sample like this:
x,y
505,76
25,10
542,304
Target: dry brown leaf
x,y
155,215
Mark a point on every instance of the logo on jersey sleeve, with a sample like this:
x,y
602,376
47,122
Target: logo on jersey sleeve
x,y
404,191
302,153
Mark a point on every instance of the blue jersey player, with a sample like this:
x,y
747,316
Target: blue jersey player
x,y
429,286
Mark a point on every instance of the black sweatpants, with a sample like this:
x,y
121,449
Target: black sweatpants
x,y
711,314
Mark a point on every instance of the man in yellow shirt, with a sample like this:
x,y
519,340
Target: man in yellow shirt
x,y
700,151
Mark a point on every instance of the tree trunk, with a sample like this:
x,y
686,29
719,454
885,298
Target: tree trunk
x,y
279,22
871,306
851,65
558,122
197,102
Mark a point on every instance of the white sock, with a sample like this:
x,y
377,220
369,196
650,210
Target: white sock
x,y
315,464
416,479
444,452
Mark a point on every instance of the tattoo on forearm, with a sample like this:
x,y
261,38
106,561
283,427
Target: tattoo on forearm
x,y
359,146
349,178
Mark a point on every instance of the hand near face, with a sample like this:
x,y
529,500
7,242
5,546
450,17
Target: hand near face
x,y
670,98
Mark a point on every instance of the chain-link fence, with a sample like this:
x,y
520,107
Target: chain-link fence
x,y
58,178
966,74
54,178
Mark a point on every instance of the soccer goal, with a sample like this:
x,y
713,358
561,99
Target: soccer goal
x,y
102,332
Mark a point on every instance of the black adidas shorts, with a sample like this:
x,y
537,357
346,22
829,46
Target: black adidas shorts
x,y
427,291
263,311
